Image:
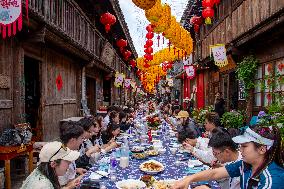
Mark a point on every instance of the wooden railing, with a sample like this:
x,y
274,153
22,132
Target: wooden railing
x,y
67,17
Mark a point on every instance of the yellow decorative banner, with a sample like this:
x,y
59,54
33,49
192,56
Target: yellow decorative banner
x,y
219,54
119,78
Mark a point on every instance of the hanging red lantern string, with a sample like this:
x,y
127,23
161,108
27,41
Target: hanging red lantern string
x,y
217,2
149,43
107,20
132,63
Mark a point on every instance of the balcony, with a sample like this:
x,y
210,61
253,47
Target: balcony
x,y
66,19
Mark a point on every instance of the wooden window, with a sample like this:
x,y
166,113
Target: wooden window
x,y
269,85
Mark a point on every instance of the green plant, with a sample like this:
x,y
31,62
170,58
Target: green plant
x,y
246,70
199,114
232,119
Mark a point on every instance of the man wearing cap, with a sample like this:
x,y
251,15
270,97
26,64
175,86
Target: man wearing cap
x,y
184,121
54,161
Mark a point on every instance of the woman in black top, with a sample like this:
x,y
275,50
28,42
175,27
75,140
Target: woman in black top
x,y
109,135
219,105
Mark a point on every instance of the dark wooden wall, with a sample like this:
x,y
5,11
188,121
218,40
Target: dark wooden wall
x,y
242,19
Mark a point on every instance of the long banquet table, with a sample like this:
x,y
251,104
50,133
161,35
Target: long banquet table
x,y
172,169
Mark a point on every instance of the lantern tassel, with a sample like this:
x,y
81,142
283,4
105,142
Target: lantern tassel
x,y
208,21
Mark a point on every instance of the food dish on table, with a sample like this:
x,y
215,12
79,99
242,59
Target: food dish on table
x,y
163,184
148,180
130,184
140,156
137,149
151,166
152,153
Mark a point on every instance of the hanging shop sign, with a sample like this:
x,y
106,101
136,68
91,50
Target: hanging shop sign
x,y
188,61
127,83
190,71
241,90
119,78
11,17
219,54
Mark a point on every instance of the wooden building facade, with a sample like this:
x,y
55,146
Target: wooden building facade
x,y
246,27
61,56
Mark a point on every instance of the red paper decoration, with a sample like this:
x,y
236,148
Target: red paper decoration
x,y
107,19
59,82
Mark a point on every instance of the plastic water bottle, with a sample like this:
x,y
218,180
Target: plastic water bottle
x,y
112,159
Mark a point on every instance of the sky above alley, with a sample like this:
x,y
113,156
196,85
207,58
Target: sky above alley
x,y
137,22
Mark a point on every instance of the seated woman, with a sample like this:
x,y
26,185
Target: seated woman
x,y
54,161
109,136
124,121
87,148
97,137
262,165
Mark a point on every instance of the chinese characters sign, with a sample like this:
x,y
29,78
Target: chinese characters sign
x,y
11,17
219,54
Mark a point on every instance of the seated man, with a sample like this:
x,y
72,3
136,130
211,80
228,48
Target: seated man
x,y
225,151
197,146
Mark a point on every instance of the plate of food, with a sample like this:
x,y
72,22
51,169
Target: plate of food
x,y
164,184
152,152
152,167
130,184
140,156
194,163
148,180
137,149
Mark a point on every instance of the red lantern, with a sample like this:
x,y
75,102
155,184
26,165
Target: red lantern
x,y
107,19
132,63
208,13
149,28
196,21
217,2
148,57
149,50
169,66
149,43
150,35
127,54
146,65
138,72
121,43
208,3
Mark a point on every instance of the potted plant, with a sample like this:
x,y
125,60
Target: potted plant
x,y
232,119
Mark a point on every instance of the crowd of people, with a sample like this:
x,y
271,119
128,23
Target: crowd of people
x,y
253,159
